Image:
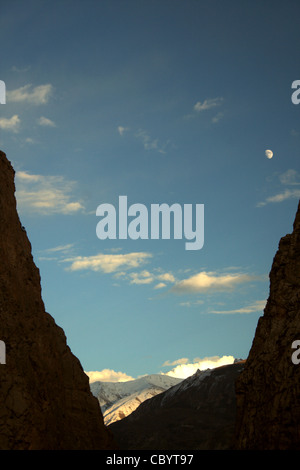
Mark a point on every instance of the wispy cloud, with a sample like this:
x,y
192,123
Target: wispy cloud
x,y
287,194
29,140
257,306
122,130
43,121
149,143
125,267
146,277
107,263
20,69
128,268
27,94
143,277
207,104
53,254
12,124
289,178
60,248
217,118
190,303
45,195
210,281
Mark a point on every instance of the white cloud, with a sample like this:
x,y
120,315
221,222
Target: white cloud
x,y
43,121
210,281
60,248
108,375
185,369
283,196
108,263
160,285
23,175
149,143
26,94
257,306
29,140
207,104
217,118
166,277
11,124
122,130
290,177
45,195
144,277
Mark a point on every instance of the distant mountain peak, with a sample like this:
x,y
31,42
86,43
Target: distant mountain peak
x,y
119,399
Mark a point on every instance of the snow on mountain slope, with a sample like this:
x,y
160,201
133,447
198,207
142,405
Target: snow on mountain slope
x,y
119,399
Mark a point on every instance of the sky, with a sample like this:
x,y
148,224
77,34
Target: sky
x,y
165,102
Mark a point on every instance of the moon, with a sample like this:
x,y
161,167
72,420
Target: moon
x,y
269,153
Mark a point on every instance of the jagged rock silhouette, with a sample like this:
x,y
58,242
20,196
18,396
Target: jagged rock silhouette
x,y
45,399
268,389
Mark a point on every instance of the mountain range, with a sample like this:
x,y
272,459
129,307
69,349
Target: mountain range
x,y
118,399
198,413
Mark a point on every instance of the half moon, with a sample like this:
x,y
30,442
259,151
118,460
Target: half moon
x,y
269,153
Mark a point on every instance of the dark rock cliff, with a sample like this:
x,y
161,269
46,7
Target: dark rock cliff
x,y
45,399
268,390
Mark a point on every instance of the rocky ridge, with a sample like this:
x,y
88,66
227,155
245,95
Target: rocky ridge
x,y
268,389
46,402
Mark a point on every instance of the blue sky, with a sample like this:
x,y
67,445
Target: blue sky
x,y
164,102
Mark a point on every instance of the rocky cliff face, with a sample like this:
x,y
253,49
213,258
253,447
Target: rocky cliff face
x,y
45,399
268,390
196,414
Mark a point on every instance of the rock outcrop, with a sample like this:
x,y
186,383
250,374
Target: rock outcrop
x,y
196,414
268,390
45,399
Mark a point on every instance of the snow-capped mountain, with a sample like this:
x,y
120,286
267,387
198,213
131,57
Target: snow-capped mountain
x,y
119,399
196,414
